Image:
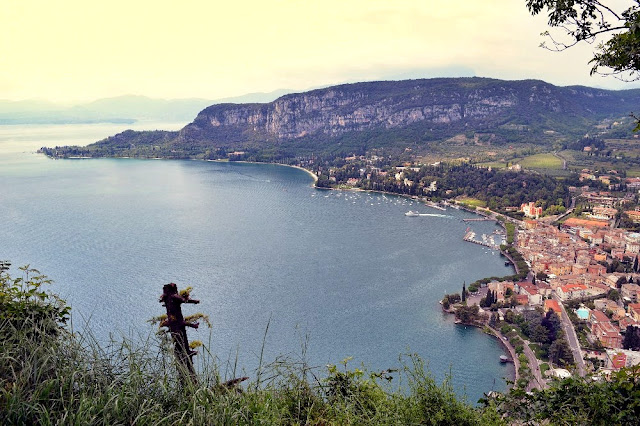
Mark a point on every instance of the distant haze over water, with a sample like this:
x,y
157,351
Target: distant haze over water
x,y
338,273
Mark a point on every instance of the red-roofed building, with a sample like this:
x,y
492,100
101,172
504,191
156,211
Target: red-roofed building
x,y
628,322
572,291
530,210
530,290
522,299
596,316
574,222
634,215
596,269
608,334
619,360
553,305
602,329
543,288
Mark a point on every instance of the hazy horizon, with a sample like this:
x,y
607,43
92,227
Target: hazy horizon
x,y
75,52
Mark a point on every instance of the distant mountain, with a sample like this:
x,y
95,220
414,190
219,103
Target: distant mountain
x,y
250,98
127,109
118,109
361,116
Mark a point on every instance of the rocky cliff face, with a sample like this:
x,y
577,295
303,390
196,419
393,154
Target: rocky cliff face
x,y
390,105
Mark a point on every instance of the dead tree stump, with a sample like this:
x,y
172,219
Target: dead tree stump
x,y
176,324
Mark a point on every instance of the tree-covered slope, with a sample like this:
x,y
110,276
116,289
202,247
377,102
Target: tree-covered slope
x,y
385,114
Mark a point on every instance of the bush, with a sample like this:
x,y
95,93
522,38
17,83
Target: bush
x,y
51,376
579,401
25,305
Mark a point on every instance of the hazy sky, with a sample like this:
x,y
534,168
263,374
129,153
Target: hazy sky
x,y
72,50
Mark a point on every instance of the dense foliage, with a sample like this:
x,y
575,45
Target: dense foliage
x,y
578,401
25,305
584,20
498,189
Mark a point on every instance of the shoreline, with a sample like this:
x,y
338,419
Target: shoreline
x,y
483,213
509,349
309,172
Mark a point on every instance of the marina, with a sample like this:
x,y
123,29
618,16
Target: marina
x,y
435,206
486,240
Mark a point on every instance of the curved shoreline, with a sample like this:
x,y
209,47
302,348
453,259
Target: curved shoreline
x,y
309,172
494,333
315,180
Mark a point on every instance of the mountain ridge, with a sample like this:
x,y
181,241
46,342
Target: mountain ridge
x,y
391,113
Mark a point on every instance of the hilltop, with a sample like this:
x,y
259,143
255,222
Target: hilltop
x,y
395,115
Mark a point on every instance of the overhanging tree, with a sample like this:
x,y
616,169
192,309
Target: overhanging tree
x,y
615,26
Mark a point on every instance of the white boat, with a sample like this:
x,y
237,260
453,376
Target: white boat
x,y
411,213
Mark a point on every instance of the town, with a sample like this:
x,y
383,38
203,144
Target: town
x,y
583,270
573,305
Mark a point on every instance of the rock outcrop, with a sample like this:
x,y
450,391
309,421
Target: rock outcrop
x,y
396,104
386,113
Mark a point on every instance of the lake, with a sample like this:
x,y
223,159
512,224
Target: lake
x,y
333,274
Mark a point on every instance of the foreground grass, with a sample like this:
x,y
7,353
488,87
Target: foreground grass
x,y
49,375
71,380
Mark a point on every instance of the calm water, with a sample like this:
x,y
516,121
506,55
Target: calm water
x,y
340,273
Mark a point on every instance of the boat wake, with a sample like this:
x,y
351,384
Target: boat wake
x,y
411,213
435,215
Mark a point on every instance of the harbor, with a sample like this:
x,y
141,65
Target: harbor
x,y
486,240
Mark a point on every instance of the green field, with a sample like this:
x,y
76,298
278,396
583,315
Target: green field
x,y
474,202
541,161
494,164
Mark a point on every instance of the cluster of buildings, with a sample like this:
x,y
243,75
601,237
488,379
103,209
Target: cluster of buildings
x,y
575,263
574,260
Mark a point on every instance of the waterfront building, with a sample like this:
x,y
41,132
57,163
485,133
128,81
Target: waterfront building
x,y
530,210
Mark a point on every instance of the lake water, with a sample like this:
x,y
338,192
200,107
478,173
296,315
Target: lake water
x,y
337,273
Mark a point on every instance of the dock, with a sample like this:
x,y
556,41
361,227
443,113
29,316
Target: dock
x,y
481,219
435,206
470,237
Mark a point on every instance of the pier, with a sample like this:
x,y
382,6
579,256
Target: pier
x,y
480,219
470,237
